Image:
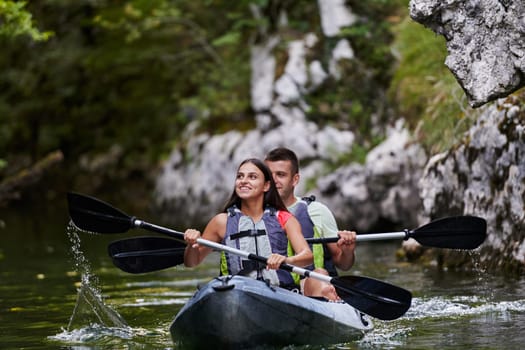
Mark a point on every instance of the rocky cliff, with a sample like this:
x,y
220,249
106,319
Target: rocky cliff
x,y
485,42
484,175
397,186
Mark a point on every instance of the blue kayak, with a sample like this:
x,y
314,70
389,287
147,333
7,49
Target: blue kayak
x,y
235,312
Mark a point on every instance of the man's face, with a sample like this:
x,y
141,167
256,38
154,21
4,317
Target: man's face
x,y
285,181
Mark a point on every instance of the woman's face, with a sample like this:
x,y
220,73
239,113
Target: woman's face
x,y
250,182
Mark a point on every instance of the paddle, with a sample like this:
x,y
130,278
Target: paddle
x,y
370,296
146,254
455,232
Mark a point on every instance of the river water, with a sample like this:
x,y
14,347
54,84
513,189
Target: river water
x,y
59,290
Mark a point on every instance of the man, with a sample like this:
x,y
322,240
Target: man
x,y
316,221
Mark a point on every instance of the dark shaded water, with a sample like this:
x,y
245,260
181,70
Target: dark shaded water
x,y
59,289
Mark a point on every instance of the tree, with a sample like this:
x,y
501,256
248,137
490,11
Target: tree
x,y
16,20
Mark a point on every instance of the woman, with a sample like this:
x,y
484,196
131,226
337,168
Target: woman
x,y
254,220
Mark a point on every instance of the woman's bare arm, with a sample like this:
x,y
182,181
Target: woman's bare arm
x,y
303,255
194,253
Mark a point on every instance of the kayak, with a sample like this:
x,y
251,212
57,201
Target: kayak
x,y
236,312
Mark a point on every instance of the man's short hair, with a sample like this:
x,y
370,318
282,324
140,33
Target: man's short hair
x,y
283,153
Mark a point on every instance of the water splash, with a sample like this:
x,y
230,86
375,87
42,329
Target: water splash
x,y
481,271
461,306
386,336
94,333
91,309
92,320
89,305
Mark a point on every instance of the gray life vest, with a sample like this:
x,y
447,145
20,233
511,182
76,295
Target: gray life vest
x,y
300,211
262,238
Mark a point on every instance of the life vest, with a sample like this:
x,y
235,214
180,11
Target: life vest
x,y
300,211
262,238
321,253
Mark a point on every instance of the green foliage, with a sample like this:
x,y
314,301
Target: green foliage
x,y
222,101
231,38
122,72
424,90
371,37
356,99
137,18
16,21
360,151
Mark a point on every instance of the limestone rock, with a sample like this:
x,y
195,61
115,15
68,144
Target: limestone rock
x,y
384,189
484,175
485,43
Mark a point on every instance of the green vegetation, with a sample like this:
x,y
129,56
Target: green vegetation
x,y
424,91
15,20
128,73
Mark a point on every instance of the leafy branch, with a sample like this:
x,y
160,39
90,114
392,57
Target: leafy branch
x,y
15,20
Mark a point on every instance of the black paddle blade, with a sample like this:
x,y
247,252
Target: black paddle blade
x,y
93,215
146,254
455,232
373,297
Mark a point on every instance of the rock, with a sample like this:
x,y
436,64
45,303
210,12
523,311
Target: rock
x,y
384,189
346,193
485,43
195,191
334,16
263,67
412,250
484,175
